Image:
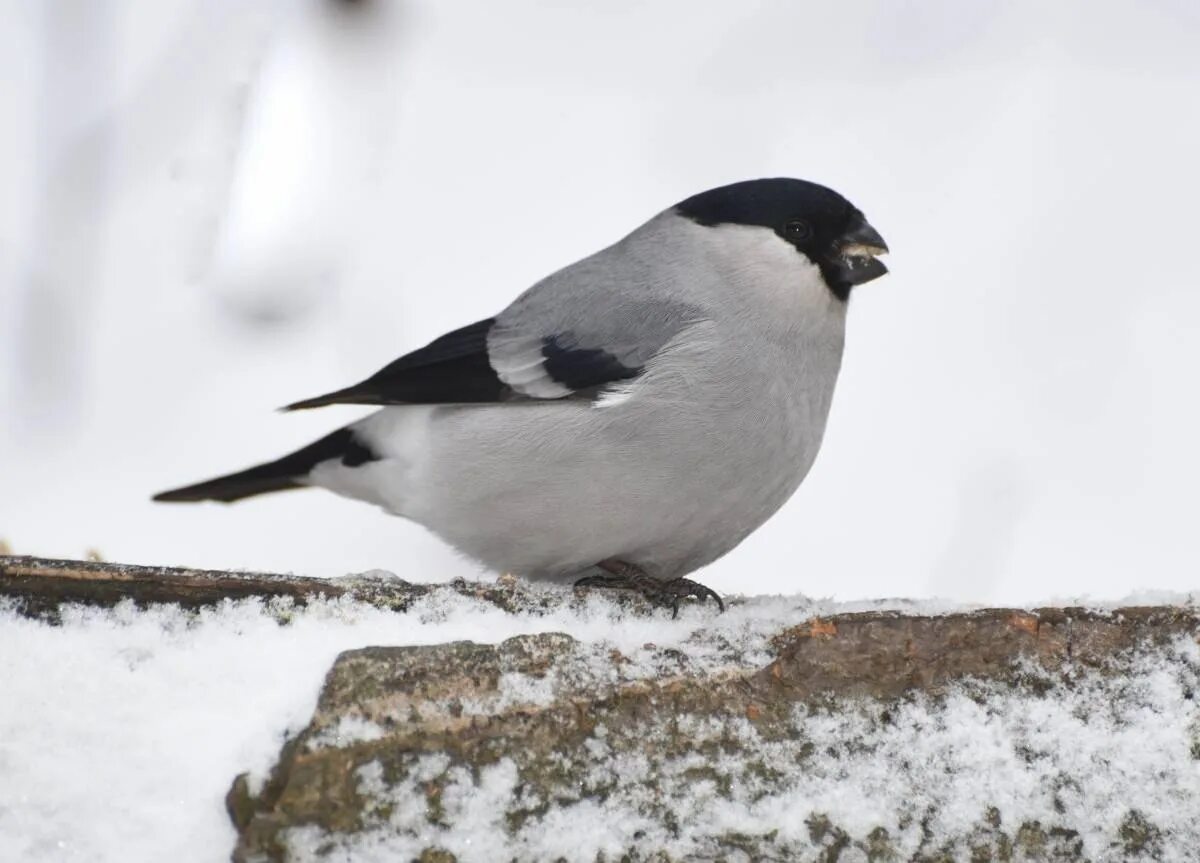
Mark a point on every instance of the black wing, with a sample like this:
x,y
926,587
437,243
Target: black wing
x,y
459,368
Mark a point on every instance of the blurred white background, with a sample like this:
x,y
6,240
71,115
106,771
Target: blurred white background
x,y
209,208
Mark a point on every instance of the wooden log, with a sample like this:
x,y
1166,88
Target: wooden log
x,y
40,585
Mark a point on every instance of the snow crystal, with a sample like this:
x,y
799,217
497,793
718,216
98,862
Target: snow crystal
x,y
349,729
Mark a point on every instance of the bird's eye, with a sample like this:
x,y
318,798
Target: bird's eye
x,y
798,229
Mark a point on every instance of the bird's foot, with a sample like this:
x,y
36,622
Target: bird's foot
x,y
626,576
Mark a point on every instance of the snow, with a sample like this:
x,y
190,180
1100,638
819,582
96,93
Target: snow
x,y
121,731
1094,756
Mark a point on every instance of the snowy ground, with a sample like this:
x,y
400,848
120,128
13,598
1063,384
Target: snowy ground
x,y
120,732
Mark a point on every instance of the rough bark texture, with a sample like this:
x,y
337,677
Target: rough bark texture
x,y
399,731
40,585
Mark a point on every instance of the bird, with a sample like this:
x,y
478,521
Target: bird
x,y
628,419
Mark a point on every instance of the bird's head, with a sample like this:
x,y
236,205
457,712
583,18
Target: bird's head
x,y
817,222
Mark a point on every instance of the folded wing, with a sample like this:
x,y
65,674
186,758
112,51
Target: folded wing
x,y
556,341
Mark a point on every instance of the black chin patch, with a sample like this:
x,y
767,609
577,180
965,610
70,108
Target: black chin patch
x,y
842,274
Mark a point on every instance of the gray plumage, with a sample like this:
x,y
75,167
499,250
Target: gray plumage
x,y
653,403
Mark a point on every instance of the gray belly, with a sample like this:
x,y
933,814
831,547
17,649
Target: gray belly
x,y
547,491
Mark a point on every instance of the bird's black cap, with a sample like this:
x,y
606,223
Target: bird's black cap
x,y
768,203
815,219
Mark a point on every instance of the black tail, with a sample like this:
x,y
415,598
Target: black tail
x,y
279,475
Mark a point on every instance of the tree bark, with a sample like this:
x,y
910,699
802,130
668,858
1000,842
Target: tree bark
x,y
40,585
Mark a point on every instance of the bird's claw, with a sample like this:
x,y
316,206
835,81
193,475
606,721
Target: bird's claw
x,y
657,591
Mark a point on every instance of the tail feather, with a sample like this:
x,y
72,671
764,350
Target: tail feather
x,y
279,475
355,395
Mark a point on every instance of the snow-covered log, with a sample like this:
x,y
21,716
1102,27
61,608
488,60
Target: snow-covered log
x,y
39,586
994,735
781,730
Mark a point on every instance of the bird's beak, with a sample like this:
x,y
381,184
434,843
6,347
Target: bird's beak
x,y
856,250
